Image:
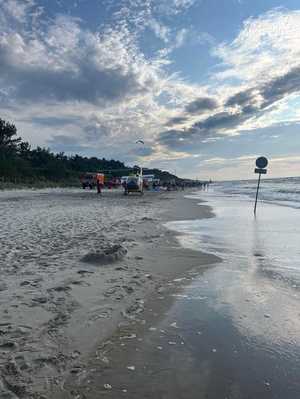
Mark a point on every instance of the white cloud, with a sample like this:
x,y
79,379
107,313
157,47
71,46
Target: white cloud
x,y
17,9
160,30
181,37
266,47
173,7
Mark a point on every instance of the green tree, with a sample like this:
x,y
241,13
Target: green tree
x,y
8,140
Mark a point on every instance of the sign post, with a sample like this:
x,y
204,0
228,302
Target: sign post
x,y
261,164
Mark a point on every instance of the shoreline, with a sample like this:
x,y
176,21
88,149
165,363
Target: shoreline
x,y
155,299
90,309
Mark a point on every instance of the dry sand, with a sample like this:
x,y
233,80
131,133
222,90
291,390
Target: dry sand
x,y
76,272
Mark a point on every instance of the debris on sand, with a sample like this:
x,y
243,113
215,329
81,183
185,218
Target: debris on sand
x,y
40,300
83,272
7,345
121,268
132,311
128,289
107,386
161,290
60,288
104,256
130,336
131,368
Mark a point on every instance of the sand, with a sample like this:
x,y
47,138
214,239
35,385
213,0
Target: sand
x,y
78,269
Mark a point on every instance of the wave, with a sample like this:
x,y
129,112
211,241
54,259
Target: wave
x,y
281,191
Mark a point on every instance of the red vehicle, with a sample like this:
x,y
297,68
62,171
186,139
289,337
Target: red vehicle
x,y
89,180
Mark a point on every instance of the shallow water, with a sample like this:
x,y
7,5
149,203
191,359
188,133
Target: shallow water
x,y
250,314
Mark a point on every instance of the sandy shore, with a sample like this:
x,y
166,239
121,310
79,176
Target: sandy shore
x,y
78,270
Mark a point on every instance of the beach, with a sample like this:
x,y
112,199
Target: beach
x,y
76,267
171,295
228,329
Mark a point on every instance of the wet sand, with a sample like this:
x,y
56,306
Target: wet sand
x,y
224,330
78,270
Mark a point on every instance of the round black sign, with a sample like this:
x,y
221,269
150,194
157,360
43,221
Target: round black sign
x,y
261,162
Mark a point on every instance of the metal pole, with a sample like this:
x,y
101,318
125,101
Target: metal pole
x,y
258,183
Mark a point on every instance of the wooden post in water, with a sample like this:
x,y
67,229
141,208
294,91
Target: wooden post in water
x,y
261,164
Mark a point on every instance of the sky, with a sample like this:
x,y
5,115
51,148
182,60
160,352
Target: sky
x,y
208,85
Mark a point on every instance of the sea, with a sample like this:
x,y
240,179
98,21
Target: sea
x,y
273,234
282,191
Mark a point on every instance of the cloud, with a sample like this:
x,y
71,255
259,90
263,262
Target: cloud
x,y
268,92
64,143
95,131
244,104
17,10
201,104
181,37
173,7
68,63
53,120
219,121
95,85
261,46
221,168
176,120
65,140
192,37
160,30
144,151
195,107
242,98
238,108
223,161
281,86
183,140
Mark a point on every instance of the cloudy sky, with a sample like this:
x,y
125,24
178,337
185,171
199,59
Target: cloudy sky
x,y
209,85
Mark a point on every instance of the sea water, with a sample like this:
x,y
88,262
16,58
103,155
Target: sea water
x,y
281,191
272,236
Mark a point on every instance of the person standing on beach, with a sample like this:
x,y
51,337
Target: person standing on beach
x,y
98,187
99,182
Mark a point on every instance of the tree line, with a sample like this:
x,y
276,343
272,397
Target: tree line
x,y
19,163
